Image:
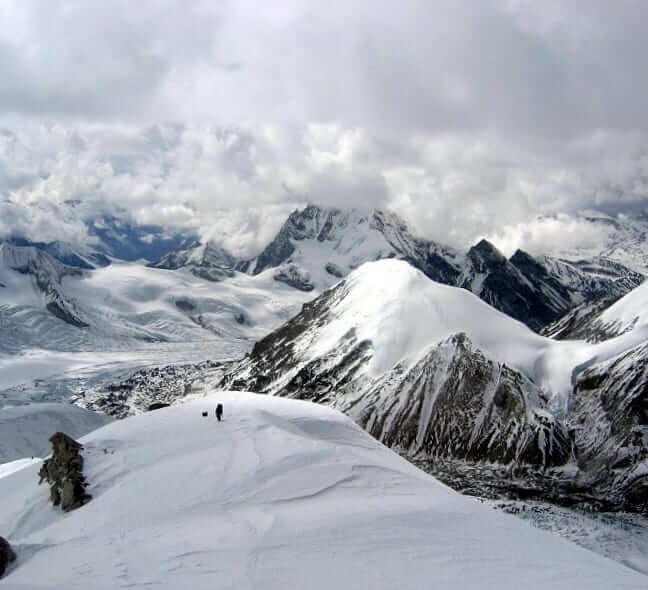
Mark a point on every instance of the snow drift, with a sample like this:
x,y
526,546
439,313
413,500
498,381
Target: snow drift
x,y
281,494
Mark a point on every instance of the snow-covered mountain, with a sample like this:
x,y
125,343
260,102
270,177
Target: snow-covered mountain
x,y
281,494
31,279
108,237
604,318
433,371
208,261
46,304
317,246
623,239
327,244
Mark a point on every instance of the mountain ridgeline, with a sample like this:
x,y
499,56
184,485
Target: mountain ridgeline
x,y
316,247
448,381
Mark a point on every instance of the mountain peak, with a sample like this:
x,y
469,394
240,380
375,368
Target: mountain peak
x,y
485,254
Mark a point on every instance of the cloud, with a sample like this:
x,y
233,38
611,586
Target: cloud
x,y
547,234
470,119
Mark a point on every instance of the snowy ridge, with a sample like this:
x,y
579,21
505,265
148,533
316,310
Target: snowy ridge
x,y
282,494
604,318
431,369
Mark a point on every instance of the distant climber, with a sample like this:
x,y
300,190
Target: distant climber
x,y
219,411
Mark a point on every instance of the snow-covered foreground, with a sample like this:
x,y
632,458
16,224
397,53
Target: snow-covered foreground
x,y
281,494
25,430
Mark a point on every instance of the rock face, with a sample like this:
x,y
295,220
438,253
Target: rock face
x,y
451,401
208,261
609,416
47,275
295,277
7,555
64,472
327,244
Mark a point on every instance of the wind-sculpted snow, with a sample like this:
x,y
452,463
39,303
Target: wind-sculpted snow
x,y
432,371
281,494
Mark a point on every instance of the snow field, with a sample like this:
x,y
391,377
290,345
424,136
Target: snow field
x,y
282,494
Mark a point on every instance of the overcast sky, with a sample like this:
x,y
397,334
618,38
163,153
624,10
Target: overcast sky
x,y
469,118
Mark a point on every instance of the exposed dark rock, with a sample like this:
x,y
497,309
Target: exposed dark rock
x,y
145,387
520,287
213,274
7,555
207,261
295,277
184,305
55,308
334,270
157,406
609,415
64,472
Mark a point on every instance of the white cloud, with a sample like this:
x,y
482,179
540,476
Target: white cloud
x,y
550,234
468,118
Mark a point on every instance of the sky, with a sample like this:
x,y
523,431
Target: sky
x,y
471,118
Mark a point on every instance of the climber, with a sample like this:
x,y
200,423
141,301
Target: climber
x,y
219,411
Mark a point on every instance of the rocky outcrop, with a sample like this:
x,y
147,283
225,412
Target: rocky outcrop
x,y
520,287
295,277
580,323
7,555
64,473
207,261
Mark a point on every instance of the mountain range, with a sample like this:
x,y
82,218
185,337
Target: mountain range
x,y
316,247
434,351
435,373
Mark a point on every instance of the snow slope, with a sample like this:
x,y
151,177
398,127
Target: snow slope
x,y
629,313
123,304
25,430
280,495
403,313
